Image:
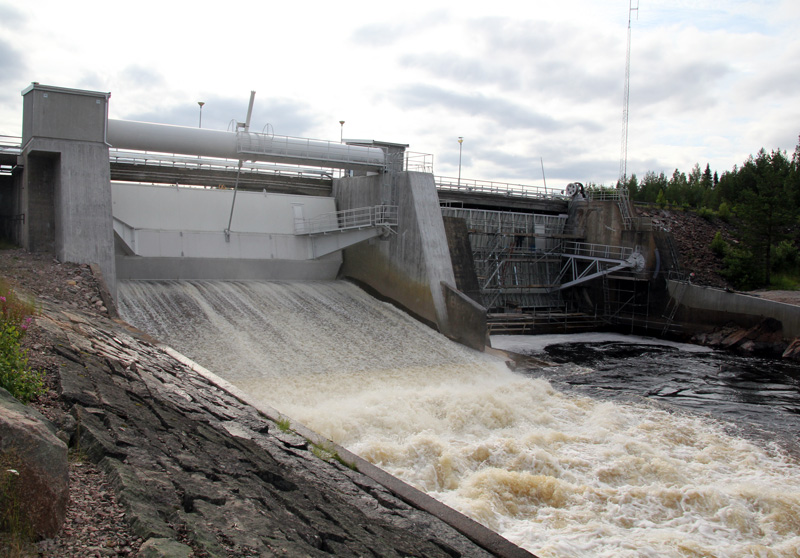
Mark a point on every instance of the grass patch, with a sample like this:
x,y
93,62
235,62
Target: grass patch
x,y
784,282
16,533
16,315
330,455
284,424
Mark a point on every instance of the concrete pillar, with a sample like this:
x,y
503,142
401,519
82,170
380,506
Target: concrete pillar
x,y
66,186
413,267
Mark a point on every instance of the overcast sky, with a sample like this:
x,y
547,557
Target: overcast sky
x,y
522,82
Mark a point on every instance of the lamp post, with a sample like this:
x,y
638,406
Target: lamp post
x,y
341,133
200,123
460,141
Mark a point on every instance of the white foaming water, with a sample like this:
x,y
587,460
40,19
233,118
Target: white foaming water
x,y
559,474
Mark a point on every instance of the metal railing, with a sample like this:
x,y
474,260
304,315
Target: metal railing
x,y
619,195
467,185
418,162
596,251
187,162
349,219
508,222
11,144
10,149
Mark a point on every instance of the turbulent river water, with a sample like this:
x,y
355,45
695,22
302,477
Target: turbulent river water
x,y
545,457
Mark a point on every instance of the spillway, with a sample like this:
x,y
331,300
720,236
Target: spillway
x,y
557,473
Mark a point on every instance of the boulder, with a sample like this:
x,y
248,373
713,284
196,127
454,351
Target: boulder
x,y
34,472
792,352
164,548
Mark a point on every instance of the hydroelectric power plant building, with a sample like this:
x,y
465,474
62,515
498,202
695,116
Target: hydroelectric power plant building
x,y
152,201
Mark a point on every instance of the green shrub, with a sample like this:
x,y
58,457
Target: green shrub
x,y
718,245
785,257
724,212
741,269
706,213
15,374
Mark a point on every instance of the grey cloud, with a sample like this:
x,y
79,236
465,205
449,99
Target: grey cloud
x,y
10,16
782,81
537,57
690,84
385,34
559,169
379,35
93,82
141,76
503,113
533,38
464,70
556,58
11,65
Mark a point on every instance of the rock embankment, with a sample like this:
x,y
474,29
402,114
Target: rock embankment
x,y
173,465
693,235
193,465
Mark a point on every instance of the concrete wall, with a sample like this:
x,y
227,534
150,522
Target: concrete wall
x,y
411,266
65,195
202,209
708,306
461,257
227,269
179,233
602,223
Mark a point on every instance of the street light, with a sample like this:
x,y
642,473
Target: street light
x,y
341,133
200,123
460,141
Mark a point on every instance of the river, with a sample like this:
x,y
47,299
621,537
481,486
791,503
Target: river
x,y
545,457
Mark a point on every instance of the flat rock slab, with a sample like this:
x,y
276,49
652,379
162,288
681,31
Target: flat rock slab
x,y
193,465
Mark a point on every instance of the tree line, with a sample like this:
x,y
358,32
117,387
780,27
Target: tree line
x,y
761,198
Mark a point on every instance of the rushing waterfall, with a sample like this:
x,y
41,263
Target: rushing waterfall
x,y
558,473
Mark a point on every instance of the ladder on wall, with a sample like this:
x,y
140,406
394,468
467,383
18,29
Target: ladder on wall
x,y
673,305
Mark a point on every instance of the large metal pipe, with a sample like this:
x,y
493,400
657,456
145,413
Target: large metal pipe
x,y
250,146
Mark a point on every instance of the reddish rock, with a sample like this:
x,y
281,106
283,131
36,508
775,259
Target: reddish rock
x,y
792,352
35,473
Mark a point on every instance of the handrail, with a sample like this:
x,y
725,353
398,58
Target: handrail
x,y
468,185
596,251
188,162
10,141
348,219
419,162
10,145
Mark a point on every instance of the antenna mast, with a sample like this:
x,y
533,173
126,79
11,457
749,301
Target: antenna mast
x,y
623,158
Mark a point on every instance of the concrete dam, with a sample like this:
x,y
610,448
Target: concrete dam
x,y
257,258
151,201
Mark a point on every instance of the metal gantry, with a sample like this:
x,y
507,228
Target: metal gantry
x,y
513,256
525,263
